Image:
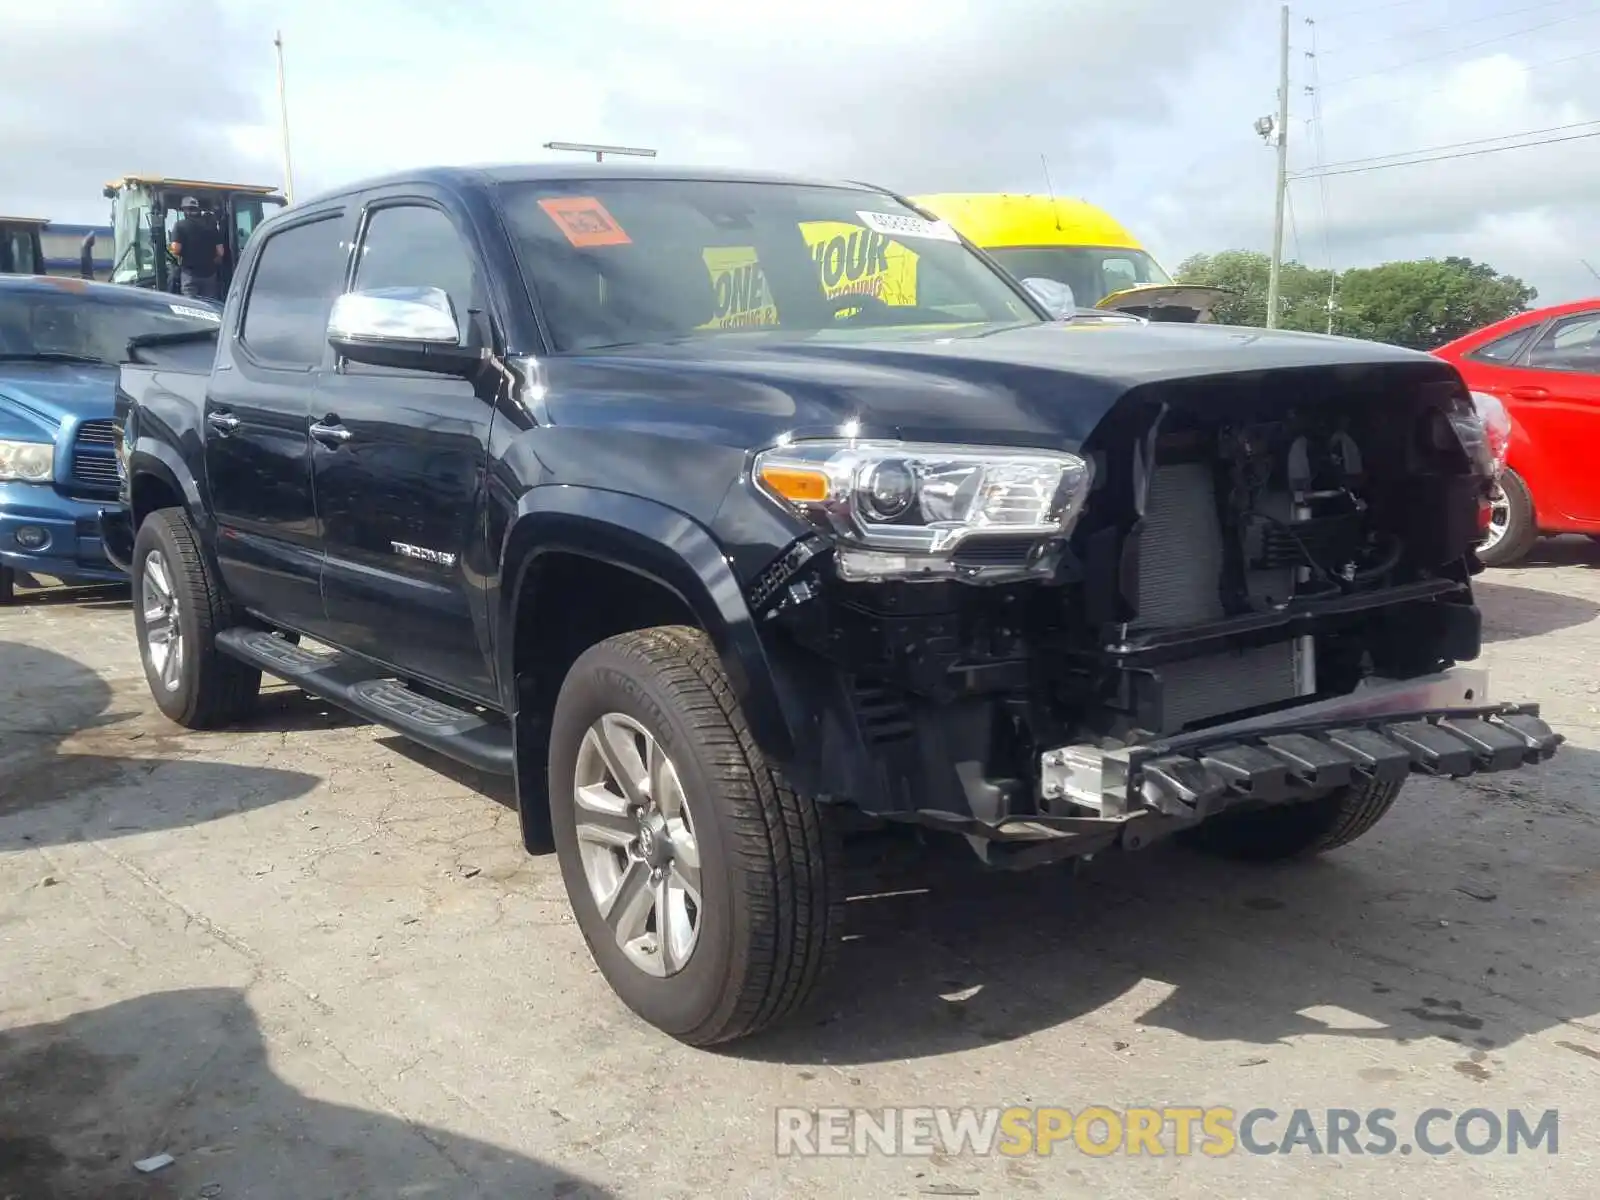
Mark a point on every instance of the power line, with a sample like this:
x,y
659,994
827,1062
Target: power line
x,y
1412,162
1504,137
1418,32
1374,101
1459,49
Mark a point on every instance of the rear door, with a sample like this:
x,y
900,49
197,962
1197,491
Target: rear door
x,y
258,408
1550,383
399,461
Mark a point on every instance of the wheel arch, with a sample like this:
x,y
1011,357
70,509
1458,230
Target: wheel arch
x,y
156,473
673,570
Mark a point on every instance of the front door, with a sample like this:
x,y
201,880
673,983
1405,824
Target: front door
x,y
399,459
1552,388
258,407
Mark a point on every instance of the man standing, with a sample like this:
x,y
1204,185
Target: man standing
x,y
197,245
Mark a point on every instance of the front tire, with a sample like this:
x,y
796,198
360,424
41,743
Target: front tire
x,y
8,586
1296,830
706,888
1513,525
178,611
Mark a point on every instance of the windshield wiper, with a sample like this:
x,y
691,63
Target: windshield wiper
x,y
52,356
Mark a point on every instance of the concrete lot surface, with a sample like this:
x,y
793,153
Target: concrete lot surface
x,y
307,961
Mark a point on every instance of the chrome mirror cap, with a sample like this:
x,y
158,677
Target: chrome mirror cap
x,y
421,316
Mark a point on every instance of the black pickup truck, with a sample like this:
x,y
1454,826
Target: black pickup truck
x,y
642,488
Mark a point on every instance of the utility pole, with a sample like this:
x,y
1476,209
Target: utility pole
x,y
1282,185
283,114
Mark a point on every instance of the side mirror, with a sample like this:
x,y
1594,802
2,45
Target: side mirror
x,y
1056,297
411,328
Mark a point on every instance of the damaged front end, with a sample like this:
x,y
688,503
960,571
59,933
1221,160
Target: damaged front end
x,y
1241,591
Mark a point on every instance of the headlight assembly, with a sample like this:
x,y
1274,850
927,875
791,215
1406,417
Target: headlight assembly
x,y
1496,424
1483,429
909,510
27,462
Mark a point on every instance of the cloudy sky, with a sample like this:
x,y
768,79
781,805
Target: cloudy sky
x,y
1143,106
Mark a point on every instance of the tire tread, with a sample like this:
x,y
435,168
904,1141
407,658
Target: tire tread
x,y
225,689
786,849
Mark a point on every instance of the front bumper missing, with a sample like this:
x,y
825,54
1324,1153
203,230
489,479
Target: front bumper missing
x,y
1384,731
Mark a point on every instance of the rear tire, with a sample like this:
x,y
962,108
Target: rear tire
x,y
762,896
1296,830
8,586
178,610
1521,525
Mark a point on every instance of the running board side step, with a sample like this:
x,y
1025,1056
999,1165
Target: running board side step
x,y
356,685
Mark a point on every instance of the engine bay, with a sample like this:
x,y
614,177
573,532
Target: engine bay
x,y
1242,551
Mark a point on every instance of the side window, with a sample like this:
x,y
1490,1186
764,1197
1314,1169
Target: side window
x,y
1504,349
295,281
1572,344
411,245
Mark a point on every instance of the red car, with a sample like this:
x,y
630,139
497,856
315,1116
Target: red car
x,y
1544,367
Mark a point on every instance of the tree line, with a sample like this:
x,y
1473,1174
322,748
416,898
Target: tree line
x,y
1422,303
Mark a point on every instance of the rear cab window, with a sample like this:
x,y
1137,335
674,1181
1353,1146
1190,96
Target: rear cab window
x,y
618,262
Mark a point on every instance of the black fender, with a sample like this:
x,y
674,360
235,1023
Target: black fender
x,y
150,456
663,545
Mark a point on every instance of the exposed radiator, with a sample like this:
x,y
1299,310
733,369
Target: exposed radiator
x,y
1180,569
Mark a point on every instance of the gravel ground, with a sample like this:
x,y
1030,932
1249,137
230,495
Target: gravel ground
x,y
308,960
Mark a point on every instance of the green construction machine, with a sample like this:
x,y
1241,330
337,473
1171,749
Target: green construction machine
x,y
21,250
146,209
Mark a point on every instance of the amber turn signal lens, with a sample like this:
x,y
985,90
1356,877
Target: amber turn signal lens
x,y
796,485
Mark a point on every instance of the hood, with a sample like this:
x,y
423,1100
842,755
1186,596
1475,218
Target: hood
x,y
40,397
1040,384
1167,301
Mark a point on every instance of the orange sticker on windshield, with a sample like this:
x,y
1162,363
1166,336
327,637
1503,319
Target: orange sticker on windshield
x,y
585,221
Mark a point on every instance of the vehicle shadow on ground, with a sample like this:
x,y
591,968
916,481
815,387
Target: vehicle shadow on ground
x,y
284,708
73,770
498,788
186,1073
1408,932
98,597
1572,551
1511,612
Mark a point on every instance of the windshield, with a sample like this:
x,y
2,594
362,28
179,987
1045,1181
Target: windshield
x,y
1092,272
618,262
40,322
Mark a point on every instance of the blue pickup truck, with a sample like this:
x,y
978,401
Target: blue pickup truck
x,y
60,343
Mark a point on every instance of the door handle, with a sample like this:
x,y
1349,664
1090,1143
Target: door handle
x,y
329,435
223,422
1530,392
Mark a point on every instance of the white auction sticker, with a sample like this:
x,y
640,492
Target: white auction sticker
x,y
908,225
199,314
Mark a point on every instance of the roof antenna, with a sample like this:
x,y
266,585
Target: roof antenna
x,y
1592,271
1050,187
